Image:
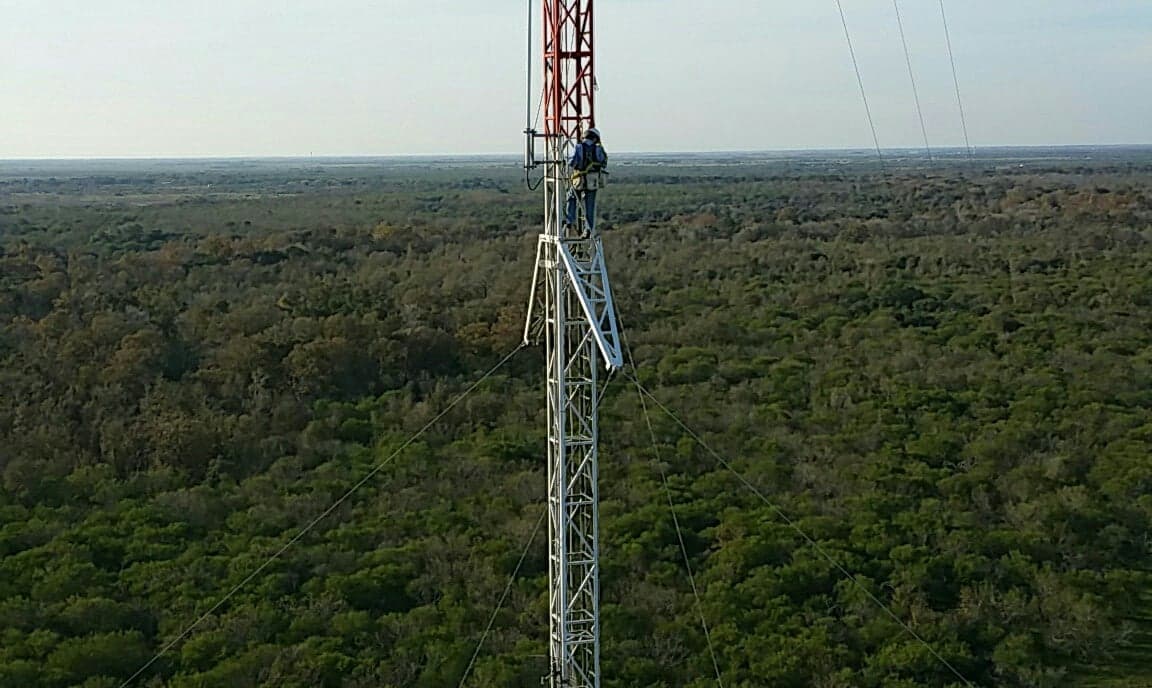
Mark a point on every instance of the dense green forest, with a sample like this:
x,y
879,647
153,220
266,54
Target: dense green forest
x,y
940,373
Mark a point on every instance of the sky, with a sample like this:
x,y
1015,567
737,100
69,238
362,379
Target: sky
x,y
162,78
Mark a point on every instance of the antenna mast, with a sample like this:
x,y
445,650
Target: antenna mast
x,y
571,310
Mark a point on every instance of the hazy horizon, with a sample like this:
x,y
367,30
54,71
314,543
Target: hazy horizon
x,y
952,152
254,78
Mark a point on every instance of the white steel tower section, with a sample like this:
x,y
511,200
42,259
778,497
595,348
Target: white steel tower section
x,y
573,312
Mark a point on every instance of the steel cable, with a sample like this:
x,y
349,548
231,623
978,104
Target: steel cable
x,y
803,534
912,77
503,597
675,518
327,512
956,81
860,82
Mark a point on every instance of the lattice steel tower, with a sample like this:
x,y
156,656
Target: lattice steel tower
x,y
571,309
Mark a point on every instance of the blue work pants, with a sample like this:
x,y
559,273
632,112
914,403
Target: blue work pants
x,y
589,208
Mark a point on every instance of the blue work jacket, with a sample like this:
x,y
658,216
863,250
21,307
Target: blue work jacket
x,y
588,155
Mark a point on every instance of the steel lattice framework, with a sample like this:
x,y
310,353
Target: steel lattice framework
x,y
571,309
569,68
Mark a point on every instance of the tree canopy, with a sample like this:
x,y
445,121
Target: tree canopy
x,y
942,376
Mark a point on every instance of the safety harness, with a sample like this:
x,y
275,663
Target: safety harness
x,y
595,159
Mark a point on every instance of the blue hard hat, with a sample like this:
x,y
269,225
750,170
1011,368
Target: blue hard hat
x,y
593,133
